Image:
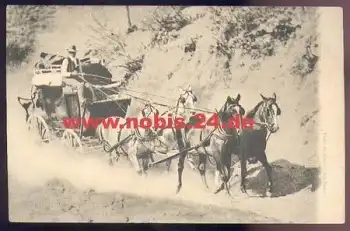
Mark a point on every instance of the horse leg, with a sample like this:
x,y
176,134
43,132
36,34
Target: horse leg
x,y
181,163
219,173
268,168
108,141
225,156
220,176
217,178
146,157
243,174
228,171
165,150
168,165
133,158
202,167
180,168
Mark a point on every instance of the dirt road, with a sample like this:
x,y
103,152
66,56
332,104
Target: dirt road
x,y
36,194
60,201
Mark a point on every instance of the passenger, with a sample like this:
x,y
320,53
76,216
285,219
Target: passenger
x,y
43,63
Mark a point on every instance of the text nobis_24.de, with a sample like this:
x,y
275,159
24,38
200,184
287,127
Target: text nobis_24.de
x,y
236,122
158,122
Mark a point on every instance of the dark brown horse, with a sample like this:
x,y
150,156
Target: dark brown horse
x,y
253,140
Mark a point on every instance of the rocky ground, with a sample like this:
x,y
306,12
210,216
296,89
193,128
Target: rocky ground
x,y
59,201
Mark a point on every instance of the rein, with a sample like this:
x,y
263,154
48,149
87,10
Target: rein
x,y
266,126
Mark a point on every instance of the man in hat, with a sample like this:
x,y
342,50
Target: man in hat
x,y
70,72
70,65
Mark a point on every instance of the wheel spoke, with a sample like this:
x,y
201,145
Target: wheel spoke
x,y
39,126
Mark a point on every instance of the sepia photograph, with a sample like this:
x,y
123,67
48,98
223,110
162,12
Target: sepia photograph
x,y
175,114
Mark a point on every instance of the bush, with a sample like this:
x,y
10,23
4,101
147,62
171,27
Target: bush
x,y
106,42
166,22
254,31
22,26
305,64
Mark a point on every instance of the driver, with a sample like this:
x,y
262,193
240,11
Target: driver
x,y
70,72
70,65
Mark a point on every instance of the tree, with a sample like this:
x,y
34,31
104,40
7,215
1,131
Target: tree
x,y
129,18
131,27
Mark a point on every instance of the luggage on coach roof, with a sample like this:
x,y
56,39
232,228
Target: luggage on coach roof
x,y
47,79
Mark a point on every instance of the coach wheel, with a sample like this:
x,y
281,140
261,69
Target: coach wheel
x,y
71,140
39,126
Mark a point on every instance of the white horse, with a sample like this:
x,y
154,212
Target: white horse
x,y
138,144
218,140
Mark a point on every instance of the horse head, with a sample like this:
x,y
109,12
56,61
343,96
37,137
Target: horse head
x,y
149,110
270,112
233,107
186,100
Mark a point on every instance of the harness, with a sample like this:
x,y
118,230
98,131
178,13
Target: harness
x,y
218,132
153,134
265,125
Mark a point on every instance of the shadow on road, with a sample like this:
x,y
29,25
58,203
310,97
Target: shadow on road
x,y
288,178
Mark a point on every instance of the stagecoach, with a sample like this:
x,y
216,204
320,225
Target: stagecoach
x,y
51,100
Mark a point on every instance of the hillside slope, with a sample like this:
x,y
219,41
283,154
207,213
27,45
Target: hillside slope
x,y
167,66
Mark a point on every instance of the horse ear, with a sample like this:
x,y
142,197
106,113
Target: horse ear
x,y
263,97
189,87
238,98
182,90
228,99
274,96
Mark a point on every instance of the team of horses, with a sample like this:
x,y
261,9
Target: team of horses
x,y
219,143
215,143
